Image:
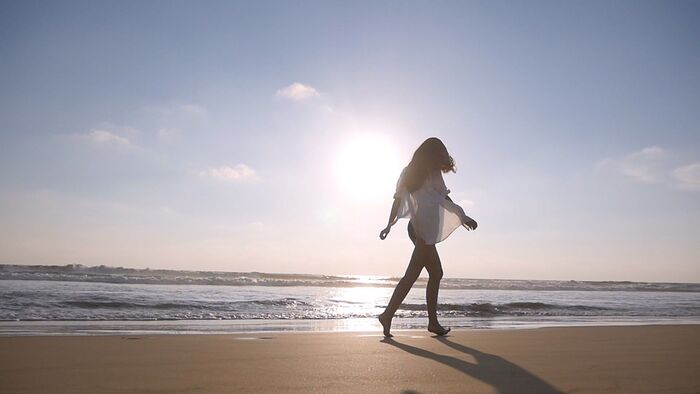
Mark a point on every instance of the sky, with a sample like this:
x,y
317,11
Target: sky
x,y
268,136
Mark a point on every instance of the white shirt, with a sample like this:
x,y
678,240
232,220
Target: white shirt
x,y
433,216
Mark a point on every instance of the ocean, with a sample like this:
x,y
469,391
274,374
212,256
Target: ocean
x,y
80,300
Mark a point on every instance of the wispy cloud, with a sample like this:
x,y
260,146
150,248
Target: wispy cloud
x,y
256,225
165,132
237,173
687,177
297,92
654,165
191,110
102,137
171,121
641,166
106,137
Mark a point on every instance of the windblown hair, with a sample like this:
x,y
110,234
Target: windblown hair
x,y
431,155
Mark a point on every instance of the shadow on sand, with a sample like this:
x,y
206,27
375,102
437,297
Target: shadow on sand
x,y
504,376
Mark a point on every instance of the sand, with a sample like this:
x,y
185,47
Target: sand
x,y
635,359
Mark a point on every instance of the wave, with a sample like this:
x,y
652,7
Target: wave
x,y
120,275
284,309
221,305
509,309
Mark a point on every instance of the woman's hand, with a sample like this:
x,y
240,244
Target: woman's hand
x,y
384,232
469,223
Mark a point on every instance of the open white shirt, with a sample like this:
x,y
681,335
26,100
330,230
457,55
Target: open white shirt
x,y
433,216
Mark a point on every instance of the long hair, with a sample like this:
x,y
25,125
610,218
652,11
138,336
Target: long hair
x,y
431,155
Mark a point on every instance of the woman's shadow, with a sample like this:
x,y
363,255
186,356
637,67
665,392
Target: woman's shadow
x,y
496,371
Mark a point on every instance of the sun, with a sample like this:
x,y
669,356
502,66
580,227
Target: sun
x,y
367,167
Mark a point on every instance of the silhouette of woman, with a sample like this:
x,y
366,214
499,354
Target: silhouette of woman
x,y
422,196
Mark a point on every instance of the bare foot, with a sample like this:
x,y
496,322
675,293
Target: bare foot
x,y
437,329
386,323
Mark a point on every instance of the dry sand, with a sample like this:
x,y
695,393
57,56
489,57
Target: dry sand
x,y
654,359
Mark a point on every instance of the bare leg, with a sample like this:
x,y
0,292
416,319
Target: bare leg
x,y
434,267
415,266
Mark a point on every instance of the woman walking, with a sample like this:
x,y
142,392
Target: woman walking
x,y
422,196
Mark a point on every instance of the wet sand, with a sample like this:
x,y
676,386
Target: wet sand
x,y
635,359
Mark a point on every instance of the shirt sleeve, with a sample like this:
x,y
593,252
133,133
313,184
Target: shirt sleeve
x,y
440,184
400,185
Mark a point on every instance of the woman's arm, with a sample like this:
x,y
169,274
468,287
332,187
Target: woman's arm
x,y
392,217
394,211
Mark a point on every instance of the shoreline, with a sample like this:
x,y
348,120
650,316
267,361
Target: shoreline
x,y
242,326
377,332
662,358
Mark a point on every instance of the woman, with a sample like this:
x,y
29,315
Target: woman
x,y
421,195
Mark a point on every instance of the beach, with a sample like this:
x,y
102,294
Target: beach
x,y
615,359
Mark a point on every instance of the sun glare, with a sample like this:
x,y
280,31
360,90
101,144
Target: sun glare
x,y
367,167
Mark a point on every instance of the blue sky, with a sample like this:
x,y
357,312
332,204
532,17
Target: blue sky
x,y
222,136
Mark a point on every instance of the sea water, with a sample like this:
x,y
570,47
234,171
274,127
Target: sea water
x,y
41,300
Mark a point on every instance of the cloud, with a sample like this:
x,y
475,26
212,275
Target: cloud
x,y
297,92
687,177
651,152
654,165
169,121
167,133
238,173
642,166
256,225
106,138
